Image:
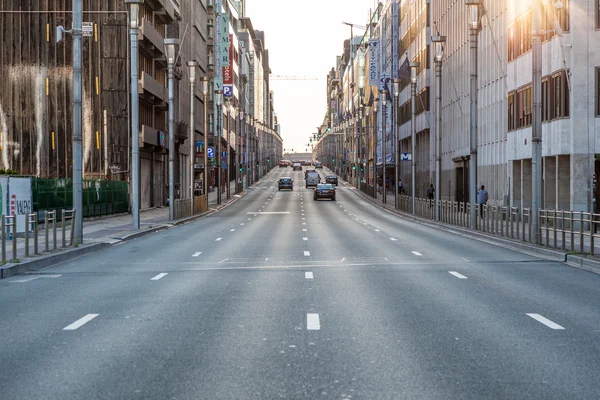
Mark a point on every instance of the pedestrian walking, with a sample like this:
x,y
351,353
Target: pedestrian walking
x,y
400,187
430,193
482,198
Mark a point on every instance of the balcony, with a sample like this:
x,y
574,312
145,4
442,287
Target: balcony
x,y
150,39
152,137
163,9
152,90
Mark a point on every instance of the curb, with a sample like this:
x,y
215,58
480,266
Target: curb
x,y
48,260
583,263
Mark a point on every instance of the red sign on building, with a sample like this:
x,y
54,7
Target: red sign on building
x,y
227,69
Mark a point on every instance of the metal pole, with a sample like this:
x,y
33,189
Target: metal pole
x,y
77,120
375,139
438,139
536,135
105,137
413,140
192,139
171,71
218,155
473,130
395,148
384,145
205,183
227,155
135,145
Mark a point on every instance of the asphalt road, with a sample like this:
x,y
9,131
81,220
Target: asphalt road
x,y
280,296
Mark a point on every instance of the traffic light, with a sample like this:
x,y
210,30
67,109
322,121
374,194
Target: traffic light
x,y
332,159
241,169
328,129
362,169
353,167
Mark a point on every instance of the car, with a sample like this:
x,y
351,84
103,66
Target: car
x,y
312,179
297,166
283,164
331,179
324,191
308,171
285,183
319,164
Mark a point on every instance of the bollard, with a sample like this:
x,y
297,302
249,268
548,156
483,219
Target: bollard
x,y
581,232
13,224
554,225
72,226
46,240
592,234
3,239
63,229
26,235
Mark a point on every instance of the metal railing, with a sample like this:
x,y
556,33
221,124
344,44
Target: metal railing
x,y
31,231
182,207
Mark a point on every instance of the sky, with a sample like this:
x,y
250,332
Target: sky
x,y
303,39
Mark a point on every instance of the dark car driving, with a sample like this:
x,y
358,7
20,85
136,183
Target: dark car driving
x,y
286,183
324,191
331,179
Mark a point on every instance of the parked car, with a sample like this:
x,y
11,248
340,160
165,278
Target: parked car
x,y
297,166
324,191
319,164
331,179
285,183
312,179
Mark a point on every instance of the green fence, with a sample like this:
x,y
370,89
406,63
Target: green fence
x,y
99,197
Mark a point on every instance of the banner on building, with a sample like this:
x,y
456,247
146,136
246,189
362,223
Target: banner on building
x,y
225,42
373,62
228,71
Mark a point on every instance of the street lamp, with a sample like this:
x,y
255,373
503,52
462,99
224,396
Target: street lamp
x,y
395,135
204,98
170,54
384,144
244,148
192,139
218,100
536,125
473,24
414,66
366,151
438,42
227,101
375,127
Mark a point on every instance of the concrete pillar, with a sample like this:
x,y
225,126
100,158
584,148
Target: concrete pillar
x,y
526,187
516,184
549,183
579,182
563,190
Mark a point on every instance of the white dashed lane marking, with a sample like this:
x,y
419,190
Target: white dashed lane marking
x,y
307,253
416,253
309,275
218,239
196,254
312,322
159,276
456,274
546,321
80,322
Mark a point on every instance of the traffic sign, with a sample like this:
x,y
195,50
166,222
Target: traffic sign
x,y
227,90
405,156
87,29
210,153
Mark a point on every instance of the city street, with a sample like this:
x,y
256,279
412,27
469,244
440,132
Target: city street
x,y
281,296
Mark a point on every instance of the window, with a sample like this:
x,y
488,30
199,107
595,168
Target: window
x,y
511,111
597,83
597,9
511,42
545,98
563,16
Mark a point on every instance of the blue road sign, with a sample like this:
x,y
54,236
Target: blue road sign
x,y
210,153
228,90
405,156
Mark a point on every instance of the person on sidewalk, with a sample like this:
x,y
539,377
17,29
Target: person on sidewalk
x,y
482,198
430,193
400,187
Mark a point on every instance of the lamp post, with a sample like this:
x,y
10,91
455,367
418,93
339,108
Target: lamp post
x,y
536,131
438,41
375,127
77,122
227,158
134,10
473,22
360,145
219,99
204,98
367,134
395,135
170,53
414,66
384,143
244,147
192,139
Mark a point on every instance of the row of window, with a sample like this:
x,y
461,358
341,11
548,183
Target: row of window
x,y
146,65
555,101
519,32
423,104
152,116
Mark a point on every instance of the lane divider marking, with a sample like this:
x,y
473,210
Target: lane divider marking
x,y
159,276
196,254
312,322
218,239
545,321
80,322
456,274
416,253
307,253
309,275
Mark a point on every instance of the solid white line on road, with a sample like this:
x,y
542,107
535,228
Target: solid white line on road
x,y
456,274
222,261
394,239
546,321
309,275
305,238
416,253
307,253
196,254
312,322
80,322
157,277
33,278
218,239
232,230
